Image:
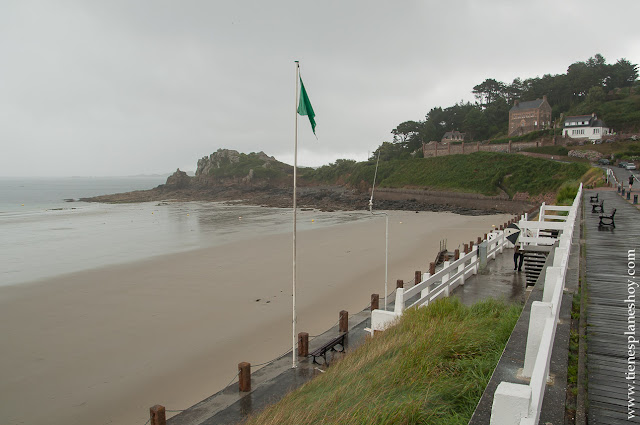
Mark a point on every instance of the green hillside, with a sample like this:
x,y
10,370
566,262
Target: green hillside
x,y
480,172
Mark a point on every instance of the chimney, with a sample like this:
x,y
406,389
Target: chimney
x,y
516,103
593,115
544,98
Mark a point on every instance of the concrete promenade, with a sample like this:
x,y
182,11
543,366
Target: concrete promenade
x,y
275,380
512,360
610,260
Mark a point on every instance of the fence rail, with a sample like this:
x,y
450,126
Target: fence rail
x,y
440,284
518,404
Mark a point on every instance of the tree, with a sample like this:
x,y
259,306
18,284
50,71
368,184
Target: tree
x,y
514,90
405,131
497,115
622,74
488,91
475,124
389,151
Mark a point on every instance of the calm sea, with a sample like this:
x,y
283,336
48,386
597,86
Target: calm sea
x,y
42,235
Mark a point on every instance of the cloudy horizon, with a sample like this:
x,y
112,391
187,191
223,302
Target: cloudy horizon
x,y
90,88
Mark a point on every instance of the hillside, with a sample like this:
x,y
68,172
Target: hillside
x,y
485,173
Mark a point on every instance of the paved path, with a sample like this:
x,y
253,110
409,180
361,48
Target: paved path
x,y
607,251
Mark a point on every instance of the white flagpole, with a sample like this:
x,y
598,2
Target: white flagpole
x,y
294,353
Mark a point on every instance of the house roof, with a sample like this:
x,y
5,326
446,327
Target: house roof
x,y
577,118
453,133
529,104
591,121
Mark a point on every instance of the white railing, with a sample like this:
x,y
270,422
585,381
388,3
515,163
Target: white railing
x,y
519,404
441,283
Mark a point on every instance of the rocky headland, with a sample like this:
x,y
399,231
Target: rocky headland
x,y
259,179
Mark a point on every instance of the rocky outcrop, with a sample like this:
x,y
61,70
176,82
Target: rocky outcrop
x,y
208,164
178,180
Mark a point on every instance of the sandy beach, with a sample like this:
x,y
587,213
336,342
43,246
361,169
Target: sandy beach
x,y
101,346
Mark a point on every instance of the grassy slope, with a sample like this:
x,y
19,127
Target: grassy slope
x,y
430,368
251,161
480,172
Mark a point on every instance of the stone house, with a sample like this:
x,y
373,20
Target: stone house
x,y
525,117
453,136
585,127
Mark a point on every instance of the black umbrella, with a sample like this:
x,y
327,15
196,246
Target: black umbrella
x,y
512,232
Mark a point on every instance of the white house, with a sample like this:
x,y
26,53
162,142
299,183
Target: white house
x,y
585,127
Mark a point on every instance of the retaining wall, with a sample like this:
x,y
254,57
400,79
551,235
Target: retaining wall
x,y
433,149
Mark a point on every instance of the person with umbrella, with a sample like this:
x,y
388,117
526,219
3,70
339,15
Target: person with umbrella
x,y
512,232
517,254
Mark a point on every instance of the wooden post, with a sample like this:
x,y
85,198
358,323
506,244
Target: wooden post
x,y
470,245
485,237
375,302
417,277
466,248
399,283
244,381
477,146
456,255
432,269
344,321
157,415
479,240
509,146
303,344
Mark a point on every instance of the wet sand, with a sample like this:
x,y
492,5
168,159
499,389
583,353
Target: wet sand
x,y
102,346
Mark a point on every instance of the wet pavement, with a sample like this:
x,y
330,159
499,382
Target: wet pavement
x,y
275,380
512,359
498,280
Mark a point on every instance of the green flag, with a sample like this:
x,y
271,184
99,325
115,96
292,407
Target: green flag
x,y
304,107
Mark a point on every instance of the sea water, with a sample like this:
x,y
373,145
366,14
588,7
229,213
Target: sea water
x,y
43,235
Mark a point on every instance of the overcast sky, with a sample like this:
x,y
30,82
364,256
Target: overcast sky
x,y
104,88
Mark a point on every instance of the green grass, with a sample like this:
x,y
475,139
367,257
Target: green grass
x,y
432,367
251,161
486,173
549,150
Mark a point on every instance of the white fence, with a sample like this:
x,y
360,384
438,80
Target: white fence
x,y
440,284
519,404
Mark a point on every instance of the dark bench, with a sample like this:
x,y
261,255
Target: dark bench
x,y
609,218
598,208
594,199
329,346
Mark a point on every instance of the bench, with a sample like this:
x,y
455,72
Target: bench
x,y
593,199
598,208
609,218
329,346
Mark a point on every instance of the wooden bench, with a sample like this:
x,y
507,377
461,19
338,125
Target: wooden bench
x,y
594,199
598,208
609,218
329,346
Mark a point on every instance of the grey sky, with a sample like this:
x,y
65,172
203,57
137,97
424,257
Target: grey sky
x,y
132,87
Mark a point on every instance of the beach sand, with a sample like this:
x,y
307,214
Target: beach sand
x,y
102,346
